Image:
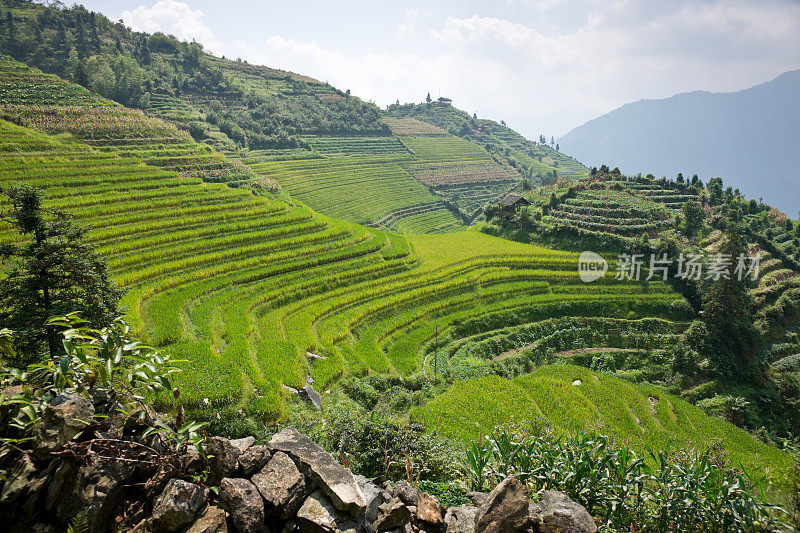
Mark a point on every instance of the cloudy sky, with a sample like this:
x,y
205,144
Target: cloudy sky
x,y
544,66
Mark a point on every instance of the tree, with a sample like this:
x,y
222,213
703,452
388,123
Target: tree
x,y
428,98
558,148
728,314
693,214
680,177
789,225
52,272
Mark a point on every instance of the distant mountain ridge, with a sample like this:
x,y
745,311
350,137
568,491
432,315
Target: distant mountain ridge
x,y
749,138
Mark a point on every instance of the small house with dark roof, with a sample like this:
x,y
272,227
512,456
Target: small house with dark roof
x,y
444,101
512,203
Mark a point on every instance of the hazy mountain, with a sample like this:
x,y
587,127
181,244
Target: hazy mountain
x,y
750,138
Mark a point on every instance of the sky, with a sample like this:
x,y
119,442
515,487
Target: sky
x,y
543,66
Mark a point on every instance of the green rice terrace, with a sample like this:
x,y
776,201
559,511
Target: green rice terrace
x,y
538,162
572,399
191,256
270,231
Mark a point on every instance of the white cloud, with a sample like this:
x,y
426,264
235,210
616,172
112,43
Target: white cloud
x,y
410,17
173,18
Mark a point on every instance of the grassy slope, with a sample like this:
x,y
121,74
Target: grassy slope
x,y
641,417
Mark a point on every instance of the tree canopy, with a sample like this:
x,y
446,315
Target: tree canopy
x,y
50,271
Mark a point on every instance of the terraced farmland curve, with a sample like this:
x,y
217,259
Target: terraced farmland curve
x,y
605,211
366,189
573,399
244,288
30,98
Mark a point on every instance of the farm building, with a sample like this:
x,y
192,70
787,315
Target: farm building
x,y
444,101
512,203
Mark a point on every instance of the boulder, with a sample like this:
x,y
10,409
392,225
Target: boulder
x,y
222,458
477,498
309,395
335,481
407,492
559,514
281,485
242,500
67,415
373,509
319,515
177,506
254,459
369,489
460,519
18,481
392,514
243,444
95,489
211,521
429,510
505,510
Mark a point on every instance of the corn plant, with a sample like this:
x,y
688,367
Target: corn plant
x,y
690,491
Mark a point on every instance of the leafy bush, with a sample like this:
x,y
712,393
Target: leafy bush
x,y
684,491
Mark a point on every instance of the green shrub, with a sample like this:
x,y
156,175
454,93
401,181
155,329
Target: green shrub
x,y
683,491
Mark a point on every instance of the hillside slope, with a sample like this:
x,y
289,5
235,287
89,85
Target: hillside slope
x,y
749,138
574,399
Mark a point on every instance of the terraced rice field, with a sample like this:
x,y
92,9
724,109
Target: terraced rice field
x,y
360,189
48,104
611,212
458,170
356,145
671,198
573,399
244,288
411,126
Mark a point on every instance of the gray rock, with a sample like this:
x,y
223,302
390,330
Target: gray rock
x,y
243,444
211,521
335,481
254,459
177,506
477,498
559,514
505,510
429,510
96,490
369,489
223,458
460,519
407,492
242,500
392,514
18,481
281,485
319,515
373,509
309,395
65,417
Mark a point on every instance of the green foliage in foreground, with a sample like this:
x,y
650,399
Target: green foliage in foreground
x,y
640,417
684,491
53,271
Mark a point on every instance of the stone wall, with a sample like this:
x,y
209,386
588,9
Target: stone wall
x,y
288,485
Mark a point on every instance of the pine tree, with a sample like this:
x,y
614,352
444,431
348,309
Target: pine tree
x,y
728,314
52,272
